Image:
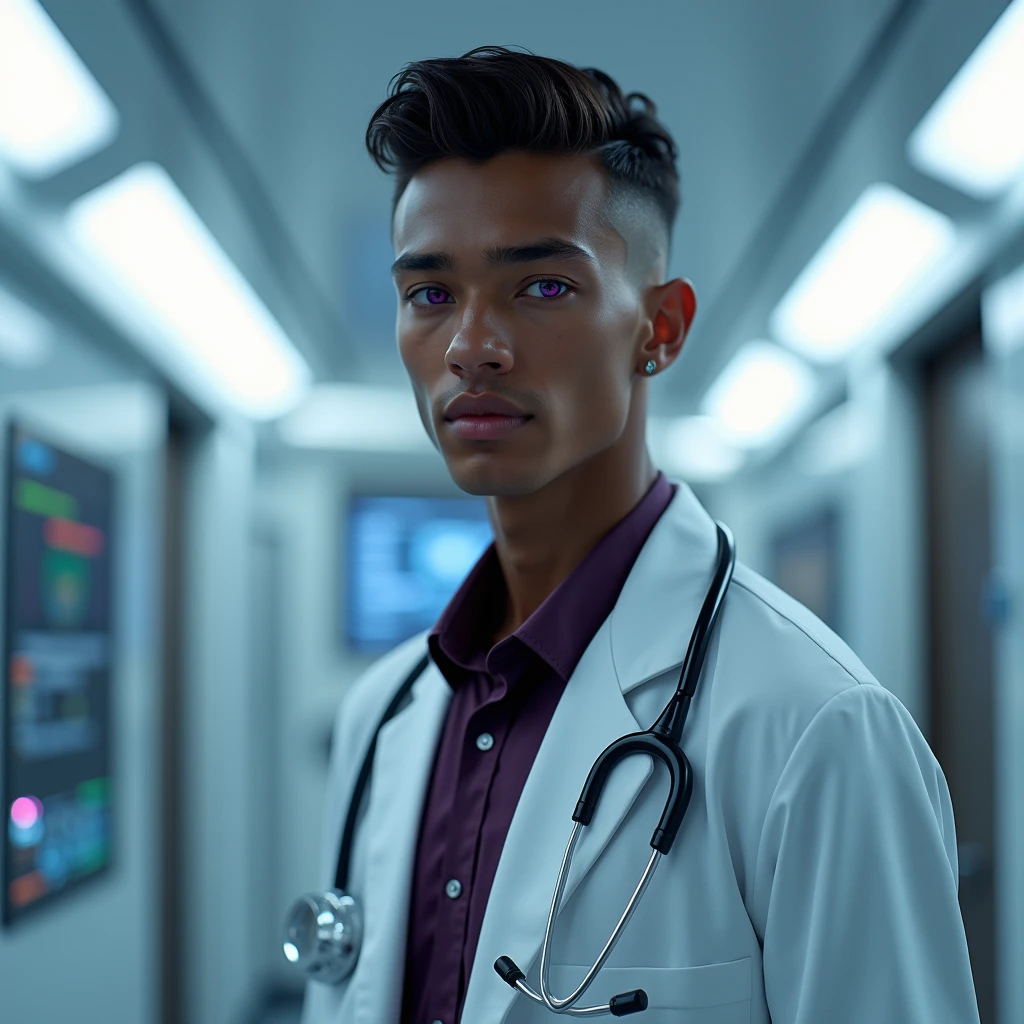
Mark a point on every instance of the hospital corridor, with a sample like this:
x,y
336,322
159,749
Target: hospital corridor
x,y
511,511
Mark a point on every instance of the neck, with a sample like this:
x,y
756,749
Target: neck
x,y
541,537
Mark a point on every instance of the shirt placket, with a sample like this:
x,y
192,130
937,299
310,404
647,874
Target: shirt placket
x,y
485,732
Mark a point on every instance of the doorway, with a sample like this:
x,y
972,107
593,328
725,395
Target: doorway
x,y
171,736
957,406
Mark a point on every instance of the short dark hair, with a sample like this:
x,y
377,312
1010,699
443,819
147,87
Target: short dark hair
x,y
492,100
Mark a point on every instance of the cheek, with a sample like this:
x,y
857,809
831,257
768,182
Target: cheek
x,y
412,358
594,394
407,352
417,358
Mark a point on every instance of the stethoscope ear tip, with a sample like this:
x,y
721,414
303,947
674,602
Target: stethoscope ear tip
x,y
508,971
626,1003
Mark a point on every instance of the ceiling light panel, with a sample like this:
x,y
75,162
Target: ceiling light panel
x,y
152,241
52,111
1002,313
971,138
761,394
881,250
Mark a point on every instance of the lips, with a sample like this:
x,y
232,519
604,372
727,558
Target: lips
x,y
482,405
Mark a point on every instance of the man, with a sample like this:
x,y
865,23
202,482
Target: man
x,y
814,878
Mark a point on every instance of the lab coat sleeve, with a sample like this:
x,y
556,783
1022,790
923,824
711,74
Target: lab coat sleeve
x,y
856,874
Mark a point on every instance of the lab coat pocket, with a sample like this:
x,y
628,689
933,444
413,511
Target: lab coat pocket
x,y
709,994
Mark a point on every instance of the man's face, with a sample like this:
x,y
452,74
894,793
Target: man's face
x,y
558,337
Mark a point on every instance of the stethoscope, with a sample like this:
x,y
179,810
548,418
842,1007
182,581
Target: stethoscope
x,y
323,930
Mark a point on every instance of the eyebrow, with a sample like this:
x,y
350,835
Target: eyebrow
x,y
550,248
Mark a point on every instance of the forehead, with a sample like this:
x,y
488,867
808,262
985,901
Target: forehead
x,y
457,204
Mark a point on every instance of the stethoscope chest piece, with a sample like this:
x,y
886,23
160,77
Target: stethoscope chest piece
x,y
322,935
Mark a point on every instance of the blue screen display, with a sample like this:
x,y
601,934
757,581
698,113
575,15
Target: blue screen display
x,y
404,559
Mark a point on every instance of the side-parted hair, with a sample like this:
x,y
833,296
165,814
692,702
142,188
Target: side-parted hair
x,y
492,100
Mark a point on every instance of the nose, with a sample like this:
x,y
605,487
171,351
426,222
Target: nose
x,y
477,346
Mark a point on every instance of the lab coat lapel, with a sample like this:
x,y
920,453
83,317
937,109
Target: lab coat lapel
x,y
401,771
646,634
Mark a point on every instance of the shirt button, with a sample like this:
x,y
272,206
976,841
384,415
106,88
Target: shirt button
x,y
453,889
484,741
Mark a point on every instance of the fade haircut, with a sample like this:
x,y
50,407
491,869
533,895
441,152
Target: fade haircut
x,y
493,100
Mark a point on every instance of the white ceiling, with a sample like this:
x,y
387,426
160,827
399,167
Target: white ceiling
x,y
763,100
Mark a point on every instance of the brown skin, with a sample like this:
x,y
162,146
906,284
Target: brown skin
x,y
573,360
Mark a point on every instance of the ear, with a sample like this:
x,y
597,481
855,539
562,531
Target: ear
x,y
689,302
673,320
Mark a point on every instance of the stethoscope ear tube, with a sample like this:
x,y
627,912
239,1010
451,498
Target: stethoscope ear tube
x,y
662,740
680,782
697,648
348,833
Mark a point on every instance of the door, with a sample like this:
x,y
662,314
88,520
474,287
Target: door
x,y
957,406
171,854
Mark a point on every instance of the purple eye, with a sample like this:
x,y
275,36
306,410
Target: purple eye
x,y
435,296
549,289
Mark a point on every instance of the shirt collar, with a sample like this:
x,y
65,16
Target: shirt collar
x,y
558,631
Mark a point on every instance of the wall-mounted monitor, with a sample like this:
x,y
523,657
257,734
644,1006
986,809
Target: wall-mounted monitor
x,y
404,558
57,655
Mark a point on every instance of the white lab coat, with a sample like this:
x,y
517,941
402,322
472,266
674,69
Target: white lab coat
x,y
814,878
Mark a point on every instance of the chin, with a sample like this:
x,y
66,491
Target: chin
x,y
490,475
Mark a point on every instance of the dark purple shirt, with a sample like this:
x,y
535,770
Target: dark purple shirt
x,y
503,700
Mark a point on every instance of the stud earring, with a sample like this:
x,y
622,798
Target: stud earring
x,y
651,366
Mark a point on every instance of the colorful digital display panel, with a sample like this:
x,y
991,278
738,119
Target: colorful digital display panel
x,y
57,672
406,556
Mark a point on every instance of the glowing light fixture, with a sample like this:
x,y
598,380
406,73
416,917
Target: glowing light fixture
x,y
1002,312
878,252
695,447
152,241
971,137
26,336
356,417
760,395
52,111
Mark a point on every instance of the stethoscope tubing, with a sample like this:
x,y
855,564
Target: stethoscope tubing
x,y
559,1005
661,742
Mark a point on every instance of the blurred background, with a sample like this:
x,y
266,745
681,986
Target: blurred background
x,y
218,505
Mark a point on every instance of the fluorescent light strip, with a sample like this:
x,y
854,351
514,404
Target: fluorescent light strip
x,y
152,241
760,395
52,111
971,137
880,250
356,417
1002,313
